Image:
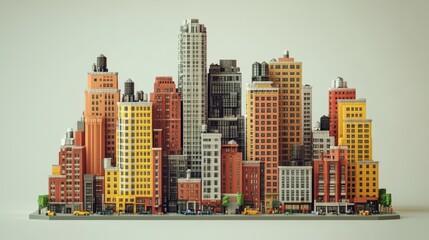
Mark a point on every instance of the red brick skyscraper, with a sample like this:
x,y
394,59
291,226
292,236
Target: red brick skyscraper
x,y
167,123
339,90
101,97
167,114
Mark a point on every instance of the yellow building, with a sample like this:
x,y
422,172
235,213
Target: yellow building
x,y
286,75
129,185
355,132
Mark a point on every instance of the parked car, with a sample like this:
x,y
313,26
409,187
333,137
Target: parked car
x,y
81,213
204,212
250,211
106,212
188,212
364,213
145,213
51,213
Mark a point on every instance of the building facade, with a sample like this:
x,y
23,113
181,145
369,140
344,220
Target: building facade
x,y
167,112
307,125
295,188
252,183
65,185
189,193
322,142
134,185
355,132
339,90
211,168
286,75
231,169
330,181
192,84
224,102
177,166
100,116
262,129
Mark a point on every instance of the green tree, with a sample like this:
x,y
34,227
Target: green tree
x,y
388,199
275,204
225,202
42,201
240,199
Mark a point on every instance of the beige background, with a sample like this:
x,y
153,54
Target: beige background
x,y
47,47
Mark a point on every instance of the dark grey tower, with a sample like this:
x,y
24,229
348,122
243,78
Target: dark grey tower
x,y
324,123
224,103
259,72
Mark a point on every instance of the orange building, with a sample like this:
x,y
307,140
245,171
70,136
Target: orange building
x,y
262,130
286,75
101,97
231,169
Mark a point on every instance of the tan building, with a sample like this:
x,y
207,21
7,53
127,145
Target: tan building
x,y
286,75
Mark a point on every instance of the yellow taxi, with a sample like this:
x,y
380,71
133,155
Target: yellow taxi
x,y
51,213
81,213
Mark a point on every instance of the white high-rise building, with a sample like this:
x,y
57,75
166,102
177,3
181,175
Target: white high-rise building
x,y
192,86
306,125
211,179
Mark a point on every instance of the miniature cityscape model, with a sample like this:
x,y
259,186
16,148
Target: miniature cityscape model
x,y
189,149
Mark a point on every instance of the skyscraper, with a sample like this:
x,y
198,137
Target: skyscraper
x,y
286,75
100,115
262,128
224,102
167,112
355,132
134,185
192,79
307,124
339,90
